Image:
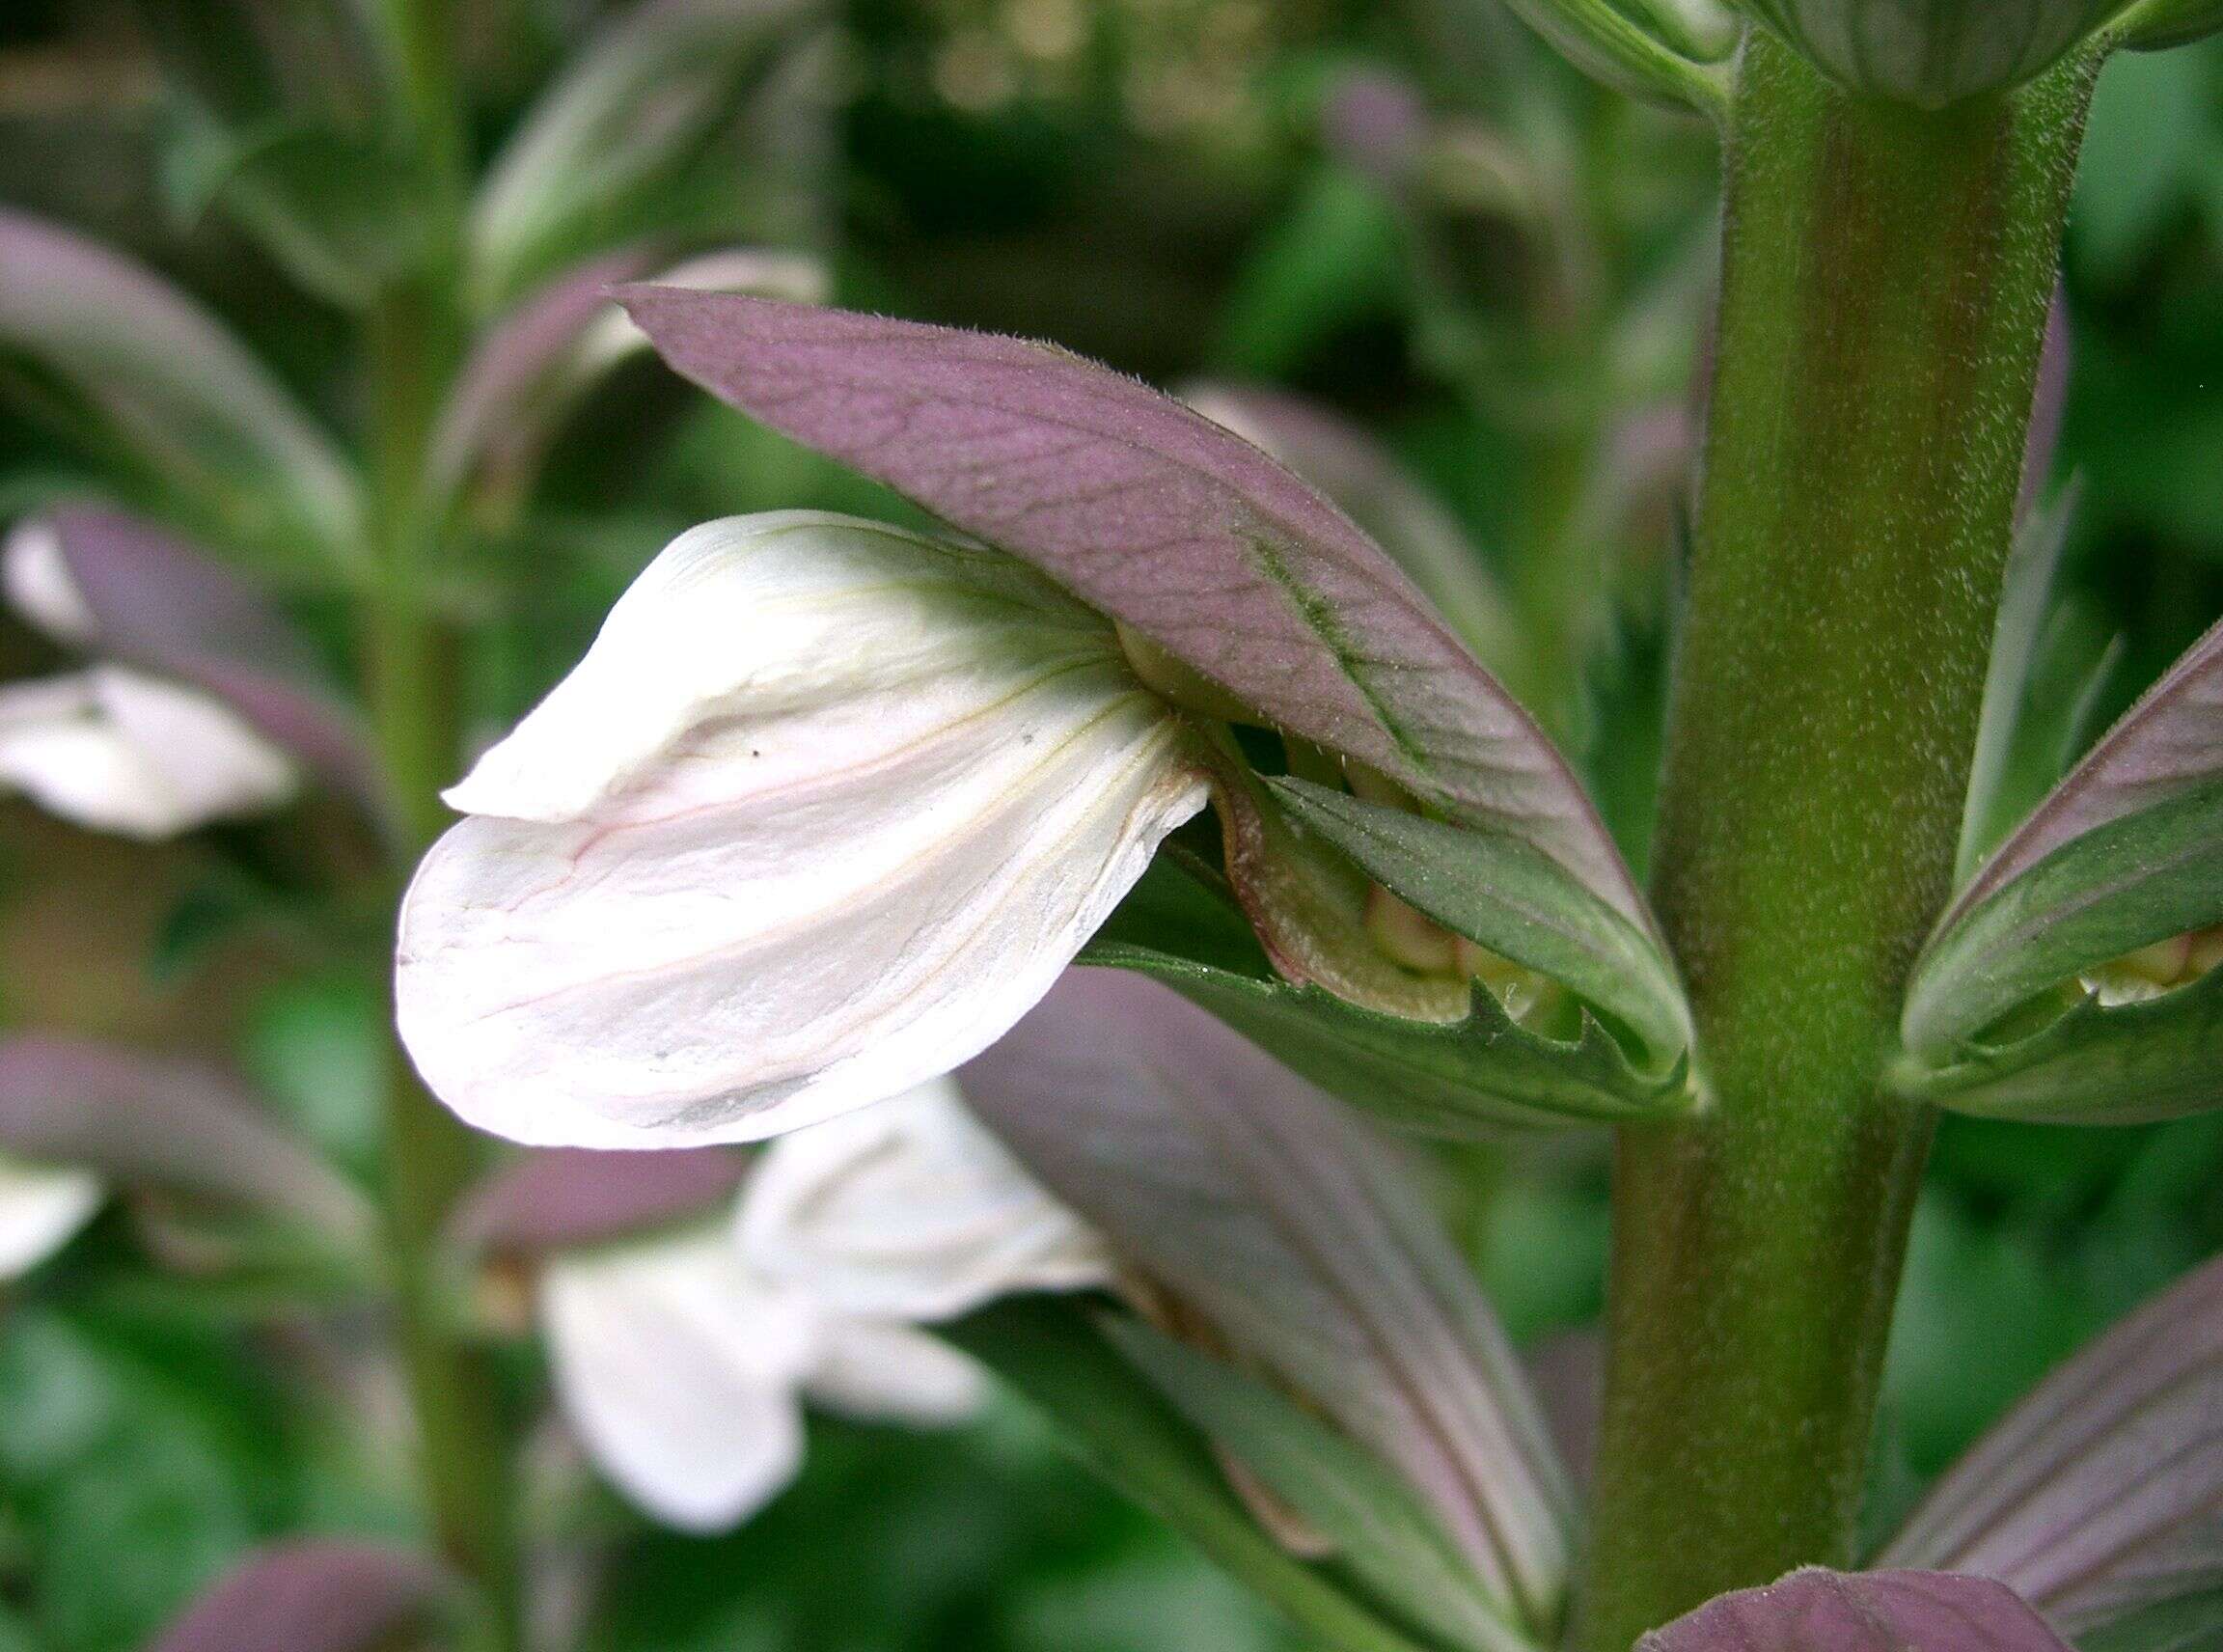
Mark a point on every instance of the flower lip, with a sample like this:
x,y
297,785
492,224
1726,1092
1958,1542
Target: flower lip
x,y
911,1210
680,1371
825,808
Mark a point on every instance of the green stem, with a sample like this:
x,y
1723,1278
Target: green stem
x,y
1886,274
409,667
420,42
429,1157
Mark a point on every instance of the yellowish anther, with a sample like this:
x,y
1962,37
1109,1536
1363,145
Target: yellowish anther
x,y
2152,971
2207,949
1177,682
2164,963
1410,938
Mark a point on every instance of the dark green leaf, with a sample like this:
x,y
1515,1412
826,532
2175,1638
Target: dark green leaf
x,y
2025,604
1379,1531
1113,1421
2191,1625
342,216
126,361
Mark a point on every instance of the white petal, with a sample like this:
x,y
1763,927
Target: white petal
x,y
909,1210
38,583
119,752
679,1370
880,1372
767,272
825,810
42,1207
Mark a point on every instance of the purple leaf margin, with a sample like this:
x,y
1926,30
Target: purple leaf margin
x,y
1166,522
1816,1611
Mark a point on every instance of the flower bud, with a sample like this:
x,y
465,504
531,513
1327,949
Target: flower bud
x,y
1931,53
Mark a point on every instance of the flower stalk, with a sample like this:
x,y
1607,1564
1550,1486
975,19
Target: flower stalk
x,y
1886,282
409,661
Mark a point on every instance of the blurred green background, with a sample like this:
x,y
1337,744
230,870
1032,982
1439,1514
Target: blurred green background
x,y
1405,211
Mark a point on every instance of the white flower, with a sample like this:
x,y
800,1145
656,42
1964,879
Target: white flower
x,y
118,750
110,748
684,1372
34,577
41,1208
825,810
911,1210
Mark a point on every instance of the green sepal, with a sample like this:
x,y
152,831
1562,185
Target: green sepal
x,y
1380,1533
1505,895
2129,1063
2157,25
1120,1427
1474,1079
2138,879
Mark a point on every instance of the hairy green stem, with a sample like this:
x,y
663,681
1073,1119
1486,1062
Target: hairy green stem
x,y
1886,274
409,667
429,1157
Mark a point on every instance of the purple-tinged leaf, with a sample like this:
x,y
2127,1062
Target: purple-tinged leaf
x,y
2170,743
128,358
1865,1611
152,601
555,1199
1366,482
539,360
1053,1352
2050,405
1166,522
1340,1494
1301,1235
2122,854
490,419
2025,605
2101,1495
313,1595
175,1125
1567,1369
